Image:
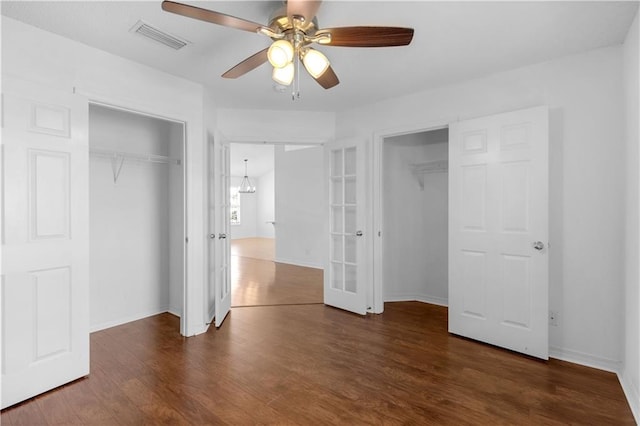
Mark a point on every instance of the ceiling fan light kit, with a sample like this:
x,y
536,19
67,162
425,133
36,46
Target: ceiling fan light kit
x,y
293,28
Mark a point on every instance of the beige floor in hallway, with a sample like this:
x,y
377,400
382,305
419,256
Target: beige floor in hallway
x,y
258,280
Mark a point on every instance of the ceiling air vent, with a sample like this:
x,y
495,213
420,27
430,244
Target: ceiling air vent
x,y
146,30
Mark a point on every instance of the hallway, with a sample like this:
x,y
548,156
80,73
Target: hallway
x,y
257,280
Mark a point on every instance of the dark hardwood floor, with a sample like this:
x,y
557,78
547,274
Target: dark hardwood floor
x,y
311,364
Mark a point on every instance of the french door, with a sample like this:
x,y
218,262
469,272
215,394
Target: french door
x,y
219,235
344,277
498,230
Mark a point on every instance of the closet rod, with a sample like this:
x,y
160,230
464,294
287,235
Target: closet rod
x,y
117,159
151,158
421,169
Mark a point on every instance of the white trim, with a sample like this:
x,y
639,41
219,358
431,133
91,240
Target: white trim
x,y
130,318
262,140
632,395
160,111
588,360
134,106
299,263
431,300
174,313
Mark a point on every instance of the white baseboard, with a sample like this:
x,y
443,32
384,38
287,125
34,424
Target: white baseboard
x,y
585,359
632,394
299,263
433,300
134,317
174,312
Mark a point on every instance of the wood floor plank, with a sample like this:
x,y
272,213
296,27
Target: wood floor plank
x,y
258,280
255,248
312,364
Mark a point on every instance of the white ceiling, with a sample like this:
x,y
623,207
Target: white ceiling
x,y
453,41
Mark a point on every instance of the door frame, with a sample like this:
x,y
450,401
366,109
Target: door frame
x,y
222,138
376,217
158,113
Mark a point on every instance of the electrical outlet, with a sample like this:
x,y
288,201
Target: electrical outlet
x,y
553,318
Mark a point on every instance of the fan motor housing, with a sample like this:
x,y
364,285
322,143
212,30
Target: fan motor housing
x,y
280,22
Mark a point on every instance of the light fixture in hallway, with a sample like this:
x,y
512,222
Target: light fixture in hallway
x,y
245,186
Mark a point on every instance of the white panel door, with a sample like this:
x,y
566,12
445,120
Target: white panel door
x,y
498,230
221,234
45,244
344,276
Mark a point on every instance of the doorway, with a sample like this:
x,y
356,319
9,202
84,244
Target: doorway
x,y
136,216
414,205
276,231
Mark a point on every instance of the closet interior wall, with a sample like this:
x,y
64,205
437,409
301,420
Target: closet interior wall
x,y
136,217
415,217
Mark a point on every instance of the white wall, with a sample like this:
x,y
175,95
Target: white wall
x,y
630,375
295,127
131,258
248,211
44,58
300,206
266,206
415,237
585,96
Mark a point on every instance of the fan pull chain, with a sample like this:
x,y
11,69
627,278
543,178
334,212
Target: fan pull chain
x,y
295,93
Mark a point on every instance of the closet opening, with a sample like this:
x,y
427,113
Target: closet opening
x,y
414,202
136,216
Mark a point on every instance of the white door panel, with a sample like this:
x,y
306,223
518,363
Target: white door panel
x,y
221,234
45,280
498,207
344,277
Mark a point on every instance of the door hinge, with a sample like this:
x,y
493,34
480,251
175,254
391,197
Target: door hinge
x,y
186,240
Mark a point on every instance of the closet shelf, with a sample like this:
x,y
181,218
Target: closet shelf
x,y
117,159
421,169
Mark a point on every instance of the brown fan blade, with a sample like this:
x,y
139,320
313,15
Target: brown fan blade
x,y
328,79
304,8
251,63
210,16
368,36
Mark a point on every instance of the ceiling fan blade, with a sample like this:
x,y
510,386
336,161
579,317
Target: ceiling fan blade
x,y
251,63
305,8
368,36
328,79
210,16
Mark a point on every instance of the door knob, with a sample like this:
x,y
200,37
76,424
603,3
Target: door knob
x,y
212,236
538,245
358,233
222,236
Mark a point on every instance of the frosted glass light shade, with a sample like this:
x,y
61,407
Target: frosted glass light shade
x,y
315,62
283,75
280,53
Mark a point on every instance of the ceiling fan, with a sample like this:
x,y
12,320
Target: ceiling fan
x,y
293,29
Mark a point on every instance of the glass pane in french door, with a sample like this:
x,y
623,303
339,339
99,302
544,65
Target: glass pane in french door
x,y
343,225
